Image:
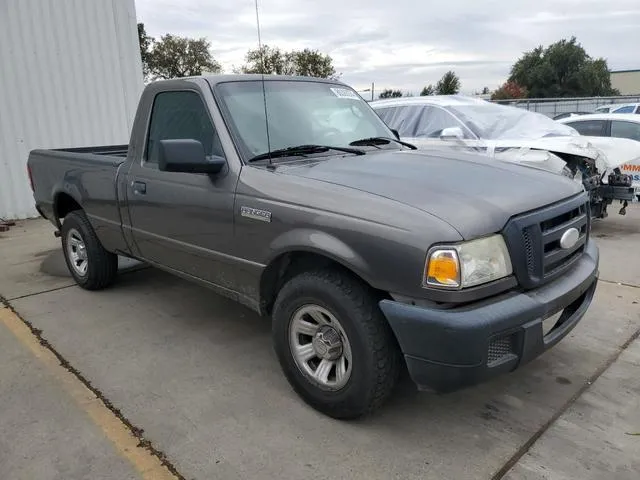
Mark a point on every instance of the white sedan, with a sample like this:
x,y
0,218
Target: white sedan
x,y
515,135
618,108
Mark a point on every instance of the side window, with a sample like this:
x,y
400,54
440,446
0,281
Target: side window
x,y
383,112
386,114
414,121
625,130
627,109
594,128
436,120
399,118
180,115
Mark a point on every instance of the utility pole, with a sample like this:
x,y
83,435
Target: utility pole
x,y
369,90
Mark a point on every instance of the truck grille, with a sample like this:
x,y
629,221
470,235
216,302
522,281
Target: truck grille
x,y
533,240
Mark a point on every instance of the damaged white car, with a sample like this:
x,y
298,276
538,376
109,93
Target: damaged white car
x,y
516,135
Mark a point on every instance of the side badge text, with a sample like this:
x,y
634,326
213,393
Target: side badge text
x,y
255,214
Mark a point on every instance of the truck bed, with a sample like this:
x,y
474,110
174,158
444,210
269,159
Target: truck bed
x,y
84,175
109,150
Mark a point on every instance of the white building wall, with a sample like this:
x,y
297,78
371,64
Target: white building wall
x,y
627,82
70,76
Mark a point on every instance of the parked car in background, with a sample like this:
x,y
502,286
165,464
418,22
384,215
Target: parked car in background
x,y
625,108
606,108
618,125
516,135
569,114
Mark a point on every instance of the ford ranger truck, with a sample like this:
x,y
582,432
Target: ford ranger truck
x,y
369,256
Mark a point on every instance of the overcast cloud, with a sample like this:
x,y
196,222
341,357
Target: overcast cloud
x,y
405,44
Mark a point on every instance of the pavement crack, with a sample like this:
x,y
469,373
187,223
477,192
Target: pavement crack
x,y
64,287
137,432
513,460
619,283
39,293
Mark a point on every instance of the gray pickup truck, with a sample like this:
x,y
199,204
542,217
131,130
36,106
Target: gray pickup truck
x,y
368,255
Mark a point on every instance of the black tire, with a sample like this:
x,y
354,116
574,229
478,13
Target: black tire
x,y
102,266
376,358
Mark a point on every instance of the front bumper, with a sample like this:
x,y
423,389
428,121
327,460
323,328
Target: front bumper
x,y
617,193
449,349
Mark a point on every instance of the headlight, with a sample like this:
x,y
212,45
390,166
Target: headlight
x,y
467,264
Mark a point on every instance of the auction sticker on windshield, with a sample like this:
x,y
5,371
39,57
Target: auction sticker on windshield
x,y
344,92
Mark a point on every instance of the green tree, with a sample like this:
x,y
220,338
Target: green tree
x,y
146,44
485,91
449,84
268,60
389,93
272,60
428,90
312,63
563,69
173,56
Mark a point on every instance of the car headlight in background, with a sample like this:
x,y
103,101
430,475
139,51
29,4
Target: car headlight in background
x,y
467,264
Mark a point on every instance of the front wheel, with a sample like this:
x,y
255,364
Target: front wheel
x,y
334,344
90,265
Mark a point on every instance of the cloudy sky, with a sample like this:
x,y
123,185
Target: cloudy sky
x,y
405,44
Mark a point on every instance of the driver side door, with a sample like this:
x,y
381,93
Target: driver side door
x,y
182,221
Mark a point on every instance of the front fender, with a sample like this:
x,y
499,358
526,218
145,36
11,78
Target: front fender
x,y
321,243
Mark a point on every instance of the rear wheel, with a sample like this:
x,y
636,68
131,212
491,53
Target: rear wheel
x,y
334,344
90,265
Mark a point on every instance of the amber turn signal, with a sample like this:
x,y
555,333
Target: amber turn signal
x,y
443,269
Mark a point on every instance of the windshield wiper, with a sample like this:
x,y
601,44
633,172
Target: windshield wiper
x,y
304,150
373,141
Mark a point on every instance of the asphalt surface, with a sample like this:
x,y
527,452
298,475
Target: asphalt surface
x,y
194,377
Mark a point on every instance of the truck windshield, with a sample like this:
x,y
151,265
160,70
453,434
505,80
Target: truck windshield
x,y
299,113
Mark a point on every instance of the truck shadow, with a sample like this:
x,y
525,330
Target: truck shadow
x,y
53,264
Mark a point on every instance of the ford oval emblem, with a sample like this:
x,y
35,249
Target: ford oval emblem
x,y
569,238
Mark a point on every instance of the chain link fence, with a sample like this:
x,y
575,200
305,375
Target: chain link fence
x,y
555,106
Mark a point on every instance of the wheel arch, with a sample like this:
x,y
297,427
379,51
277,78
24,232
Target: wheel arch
x,y
63,204
289,263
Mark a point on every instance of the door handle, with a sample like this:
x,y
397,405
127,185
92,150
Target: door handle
x,y
139,188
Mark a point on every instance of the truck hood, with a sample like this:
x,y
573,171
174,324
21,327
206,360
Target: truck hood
x,y
473,195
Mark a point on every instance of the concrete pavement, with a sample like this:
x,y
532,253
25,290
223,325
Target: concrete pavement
x,y
44,435
598,436
197,373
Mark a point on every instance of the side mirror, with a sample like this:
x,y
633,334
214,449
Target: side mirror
x,y
452,133
396,133
187,156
